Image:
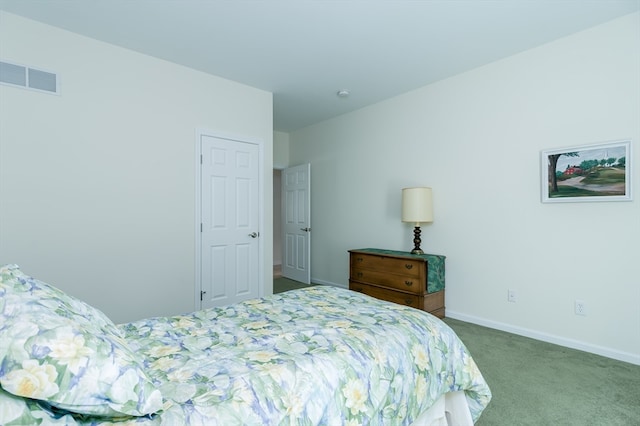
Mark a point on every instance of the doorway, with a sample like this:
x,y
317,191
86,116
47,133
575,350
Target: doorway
x,y
277,223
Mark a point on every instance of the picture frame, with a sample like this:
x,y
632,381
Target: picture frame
x,y
586,173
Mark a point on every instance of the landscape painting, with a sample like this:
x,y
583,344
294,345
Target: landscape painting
x,y
599,172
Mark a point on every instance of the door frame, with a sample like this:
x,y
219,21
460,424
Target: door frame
x,y
200,132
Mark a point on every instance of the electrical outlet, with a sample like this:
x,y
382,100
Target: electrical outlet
x,y
580,307
512,296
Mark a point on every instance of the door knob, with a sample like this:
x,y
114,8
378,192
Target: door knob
x,y
305,229
254,235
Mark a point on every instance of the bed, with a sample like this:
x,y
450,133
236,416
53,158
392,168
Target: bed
x,y
316,356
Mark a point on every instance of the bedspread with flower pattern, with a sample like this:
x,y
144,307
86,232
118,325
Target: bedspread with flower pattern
x,y
316,356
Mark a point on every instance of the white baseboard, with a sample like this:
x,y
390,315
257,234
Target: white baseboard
x,y
549,338
277,270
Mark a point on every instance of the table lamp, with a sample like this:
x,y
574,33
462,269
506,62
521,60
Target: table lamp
x,y
417,208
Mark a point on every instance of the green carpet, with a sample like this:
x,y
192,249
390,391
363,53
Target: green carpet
x,y
285,284
537,383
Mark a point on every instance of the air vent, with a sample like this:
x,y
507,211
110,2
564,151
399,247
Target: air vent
x,y
28,78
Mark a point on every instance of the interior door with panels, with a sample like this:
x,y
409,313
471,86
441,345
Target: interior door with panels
x,y
296,223
230,215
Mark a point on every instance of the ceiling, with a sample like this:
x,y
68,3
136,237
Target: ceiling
x,y
305,51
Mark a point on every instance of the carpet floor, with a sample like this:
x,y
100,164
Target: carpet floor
x,y
536,383
285,284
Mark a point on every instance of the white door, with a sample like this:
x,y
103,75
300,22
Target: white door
x,y
296,223
230,217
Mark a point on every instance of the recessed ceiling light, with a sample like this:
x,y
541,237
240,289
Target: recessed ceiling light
x,y
343,93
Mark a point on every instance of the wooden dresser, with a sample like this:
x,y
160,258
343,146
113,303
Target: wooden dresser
x,y
415,280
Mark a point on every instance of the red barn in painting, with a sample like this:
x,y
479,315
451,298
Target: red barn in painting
x,y
573,170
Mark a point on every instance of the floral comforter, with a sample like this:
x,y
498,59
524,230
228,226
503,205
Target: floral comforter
x,y
317,356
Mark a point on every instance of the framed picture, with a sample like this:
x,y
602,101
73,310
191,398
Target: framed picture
x,y
599,172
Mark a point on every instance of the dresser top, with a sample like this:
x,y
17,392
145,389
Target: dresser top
x,y
396,253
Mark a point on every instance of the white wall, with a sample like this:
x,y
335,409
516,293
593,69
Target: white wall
x,y
97,185
476,139
280,150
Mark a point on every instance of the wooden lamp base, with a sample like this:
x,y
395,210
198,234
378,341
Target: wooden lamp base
x,y
416,241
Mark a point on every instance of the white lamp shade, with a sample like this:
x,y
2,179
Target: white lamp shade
x,y
417,205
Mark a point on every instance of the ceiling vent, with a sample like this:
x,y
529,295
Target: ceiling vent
x,y
28,78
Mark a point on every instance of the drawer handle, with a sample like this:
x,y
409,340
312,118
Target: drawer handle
x,y
408,265
359,274
408,301
408,283
359,259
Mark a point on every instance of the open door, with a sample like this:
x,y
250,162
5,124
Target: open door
x,y
296,223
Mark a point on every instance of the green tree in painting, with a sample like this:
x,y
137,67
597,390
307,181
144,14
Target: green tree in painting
x,y
587,165
553,162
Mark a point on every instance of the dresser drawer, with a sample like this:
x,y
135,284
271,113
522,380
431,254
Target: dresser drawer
x,y
394,265
432,303
405,282
408,299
